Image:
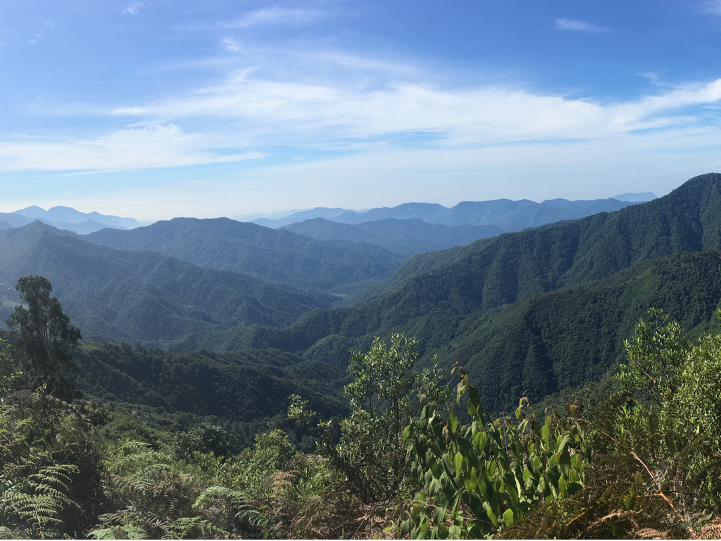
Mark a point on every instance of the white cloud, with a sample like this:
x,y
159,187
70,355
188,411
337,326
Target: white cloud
x,y
580,26
338,115
134,8
158,146
275,16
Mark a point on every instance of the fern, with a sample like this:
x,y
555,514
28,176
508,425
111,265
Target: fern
x,y
38,502
194,528
126,531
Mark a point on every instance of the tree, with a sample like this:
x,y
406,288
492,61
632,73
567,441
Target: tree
x,y
382,395
41,339
204,438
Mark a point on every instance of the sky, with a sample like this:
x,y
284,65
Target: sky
x,y
207,108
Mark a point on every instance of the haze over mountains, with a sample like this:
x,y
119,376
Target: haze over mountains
x,y
66,218
506,214
538,310
277,256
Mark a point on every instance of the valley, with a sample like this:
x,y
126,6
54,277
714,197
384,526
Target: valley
x,y
189,323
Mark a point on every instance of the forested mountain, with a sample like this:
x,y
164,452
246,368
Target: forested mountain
x,y
119,295
539,345
506,214
404,237
433,293
275,255
514,266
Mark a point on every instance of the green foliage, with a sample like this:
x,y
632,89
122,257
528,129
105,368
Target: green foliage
x,y
684,381
34,505
370,452
41,337
239,390
127,531
480,479
203,438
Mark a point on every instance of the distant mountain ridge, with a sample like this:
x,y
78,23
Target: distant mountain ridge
x,y
404,237
66,218
506,214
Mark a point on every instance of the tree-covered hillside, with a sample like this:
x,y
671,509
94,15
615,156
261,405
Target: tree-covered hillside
x,y
117,295
243,391
514,266
275,255
539,345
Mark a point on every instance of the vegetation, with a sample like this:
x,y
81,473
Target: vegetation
x,y
41,339
642,463
198,443
540,345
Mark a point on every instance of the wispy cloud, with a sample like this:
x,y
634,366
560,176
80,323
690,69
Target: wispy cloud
x,y
711,6
158,146
255,109
579,26
275,16
650,75
481,115
134,8
231,44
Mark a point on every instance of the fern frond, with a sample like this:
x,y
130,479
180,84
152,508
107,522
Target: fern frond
x,y
127,531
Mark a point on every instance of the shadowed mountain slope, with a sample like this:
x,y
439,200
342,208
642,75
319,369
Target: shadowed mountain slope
x,y
404,237
275,255
116,295
539,345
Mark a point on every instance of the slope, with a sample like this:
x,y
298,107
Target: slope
x,y
275,255
140,296
404,237
514,266
539,345
244,389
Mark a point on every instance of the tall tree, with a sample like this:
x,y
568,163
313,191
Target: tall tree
x,y
41,338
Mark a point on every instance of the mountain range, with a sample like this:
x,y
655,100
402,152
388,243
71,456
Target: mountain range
x,y
403,237
432,293
503,213
536,310
66,218
277,256
141,296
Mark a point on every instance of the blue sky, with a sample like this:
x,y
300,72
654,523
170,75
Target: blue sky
x,y
206,108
